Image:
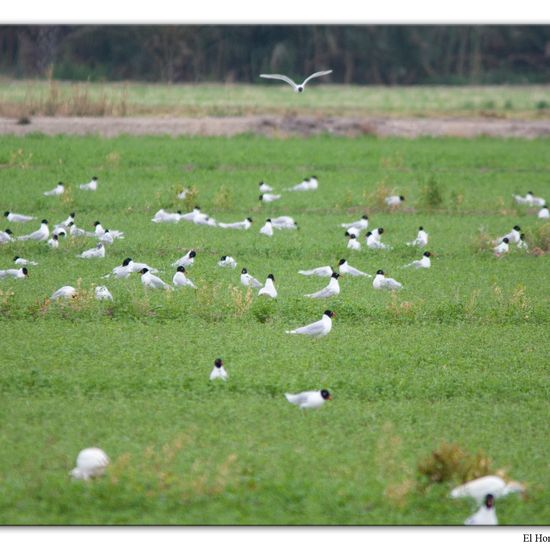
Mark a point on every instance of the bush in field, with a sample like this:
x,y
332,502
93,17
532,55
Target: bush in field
x,y
431,196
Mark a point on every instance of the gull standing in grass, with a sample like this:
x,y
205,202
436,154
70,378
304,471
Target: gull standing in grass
x,y
75,231
353,241
99,231
63,292
102,293
543,213
394,200
18,218
486,515
41,234
529,199
424,262
152,281
309,184
186,261
318,329
502,248
373,240
59,189
309,399
421,239
90,463
53,242
284,222
360,225
21,261
264,188
20,273
6,236
269,197
298,88
180,279
97,252
218,372
269,288
381,282
345,269
325,271
122,271
248,280
513,236
227,261
482,486
245,224
267,228
332,289
166,217
91,186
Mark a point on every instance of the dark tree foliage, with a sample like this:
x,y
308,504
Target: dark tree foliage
x,y
362,54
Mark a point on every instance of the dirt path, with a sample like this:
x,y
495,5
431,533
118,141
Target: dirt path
x,y
275,126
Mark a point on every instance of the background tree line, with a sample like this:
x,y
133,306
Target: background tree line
x,y
362,54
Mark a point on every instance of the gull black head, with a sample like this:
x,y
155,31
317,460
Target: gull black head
x,y
178,211
369,233
261,197
94,178
144,270
364,217
260,184
335,275
268,220
96,224
72,214
223,258
506,240
380,272
25,271
325,394
380,230
181,269
249,219
7,213
489,501
346,234
427,254
218,363
342,261
70,224
402,198
244,271
270,276
59,183
328,313
313,177
420,228
44,221
192,254
126,261
197,208
522,236
8,231
16,258
517,227
529,192
55,237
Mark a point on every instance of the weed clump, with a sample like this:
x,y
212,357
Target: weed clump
x,y
431,196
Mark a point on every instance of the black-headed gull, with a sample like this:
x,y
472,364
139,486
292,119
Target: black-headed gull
x,y
227,261
502,248
381,282
374,241
187,260
75,231
486,515
122,271
421,239
318,329
106,238
218,372
522,243
513,236
63,292
90,463
361,224
21,261
394,200
269,288
543,213
309,184
97,252
166,217
152,281
41,234
18,218
264,188
65,223
20,273
309,399
248,280
494,485
190,216
180,279
6,236
332,289
325,271
529,199
99,231
284,222
355,231
423,263
245,224
91,186
59,189
298,88
269,197
102,293
353,242
267,228
345,269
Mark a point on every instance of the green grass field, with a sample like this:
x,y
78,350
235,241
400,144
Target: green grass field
x,y
18,98
459,356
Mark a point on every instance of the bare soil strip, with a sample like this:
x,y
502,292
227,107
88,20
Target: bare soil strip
x,y
276,126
